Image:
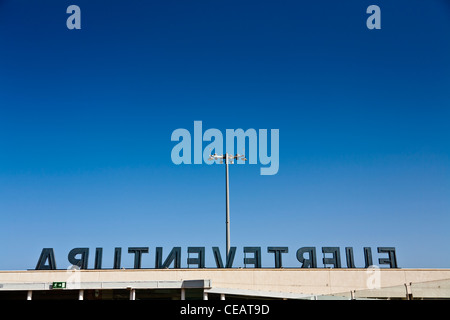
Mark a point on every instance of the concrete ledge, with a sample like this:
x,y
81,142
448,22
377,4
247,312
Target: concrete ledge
x,y
288,281
192,284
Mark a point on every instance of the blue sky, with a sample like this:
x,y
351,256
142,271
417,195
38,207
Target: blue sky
x,y
86,118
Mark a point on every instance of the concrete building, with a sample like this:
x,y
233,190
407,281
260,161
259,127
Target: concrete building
x,y
235,283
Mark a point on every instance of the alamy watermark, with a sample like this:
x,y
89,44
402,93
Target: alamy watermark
x,y
373,280
257,152
73,277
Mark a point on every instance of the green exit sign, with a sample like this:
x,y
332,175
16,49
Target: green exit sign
x,y
59,285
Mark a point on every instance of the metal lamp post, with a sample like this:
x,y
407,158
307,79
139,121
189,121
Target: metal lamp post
x,y
228,159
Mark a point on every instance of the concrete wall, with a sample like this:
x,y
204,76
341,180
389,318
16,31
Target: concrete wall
x,y
288,281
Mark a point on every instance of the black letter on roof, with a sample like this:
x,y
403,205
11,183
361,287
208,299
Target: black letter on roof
x,y
46,254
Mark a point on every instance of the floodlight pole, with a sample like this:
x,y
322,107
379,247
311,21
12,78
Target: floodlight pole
x,y
227,184
227,157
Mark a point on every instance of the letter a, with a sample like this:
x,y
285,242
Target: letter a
x,y
74,21
46,254
374,21
183,147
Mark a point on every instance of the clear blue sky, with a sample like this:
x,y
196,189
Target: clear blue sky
x,y
86,118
